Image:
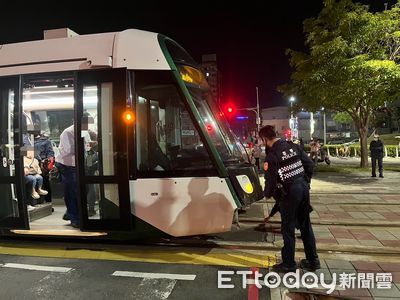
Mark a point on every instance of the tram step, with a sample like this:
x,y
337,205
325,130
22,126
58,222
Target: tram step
x,y
40,211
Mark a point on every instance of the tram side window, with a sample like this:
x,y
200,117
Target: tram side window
x,y
166,137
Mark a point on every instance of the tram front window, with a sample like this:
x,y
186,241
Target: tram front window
x,y
166,138
227,145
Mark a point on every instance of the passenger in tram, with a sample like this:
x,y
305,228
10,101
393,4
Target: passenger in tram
x,y
33,176
91,164
65,163
45,155
158,160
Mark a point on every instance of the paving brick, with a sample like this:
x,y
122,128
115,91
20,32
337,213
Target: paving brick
x,y
338,229
366,265
383,235
326,241
327,274
342,235
388,293
364,236
321,229
355,293
375,216
339,264
359,230
370,243
343,215
347,242
358,215
323,235
395,232
389,267
396,277
391,243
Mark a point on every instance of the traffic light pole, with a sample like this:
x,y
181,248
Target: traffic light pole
x,y
256,110
258,121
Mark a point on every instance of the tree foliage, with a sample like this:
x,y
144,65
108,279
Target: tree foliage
x,y
342,118
352,62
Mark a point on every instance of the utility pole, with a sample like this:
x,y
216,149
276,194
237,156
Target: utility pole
x,y
324,126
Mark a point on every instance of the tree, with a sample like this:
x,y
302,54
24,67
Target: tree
x,y
352,63
342,118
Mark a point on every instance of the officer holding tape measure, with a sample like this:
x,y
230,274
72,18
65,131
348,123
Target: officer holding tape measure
x,y
289,166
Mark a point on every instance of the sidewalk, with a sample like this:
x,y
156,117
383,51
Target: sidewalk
x,y
356,221
393,161
349,209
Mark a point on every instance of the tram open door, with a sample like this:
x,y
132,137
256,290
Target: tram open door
x,y
102,150
13,213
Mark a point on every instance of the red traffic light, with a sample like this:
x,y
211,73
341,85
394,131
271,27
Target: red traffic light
x,y
230,109
288,133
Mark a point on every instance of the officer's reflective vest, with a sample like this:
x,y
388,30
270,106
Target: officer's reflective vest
x,y
290,166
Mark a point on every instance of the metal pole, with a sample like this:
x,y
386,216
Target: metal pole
x,y
324,129
291,110
258,120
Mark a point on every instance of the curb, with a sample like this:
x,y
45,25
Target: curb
x,y
339,222
353,249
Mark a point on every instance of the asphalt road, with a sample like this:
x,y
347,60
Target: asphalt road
x,y
60,278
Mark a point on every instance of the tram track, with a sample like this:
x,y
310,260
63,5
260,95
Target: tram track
x,y
203,245
357,223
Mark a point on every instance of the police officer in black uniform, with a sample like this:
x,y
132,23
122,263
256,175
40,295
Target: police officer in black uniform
x,y
376,148
289,166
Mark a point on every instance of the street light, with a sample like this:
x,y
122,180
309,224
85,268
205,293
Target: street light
x,y
323,110
291,125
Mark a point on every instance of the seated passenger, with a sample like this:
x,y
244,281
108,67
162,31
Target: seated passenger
x,y
32,175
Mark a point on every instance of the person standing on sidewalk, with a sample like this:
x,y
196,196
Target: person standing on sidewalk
x,y
286,164
315,146
376,148
256,154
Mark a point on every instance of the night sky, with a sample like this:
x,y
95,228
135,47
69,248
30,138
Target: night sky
x,y
249,40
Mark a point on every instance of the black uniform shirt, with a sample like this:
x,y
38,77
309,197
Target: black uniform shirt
x,y
376,148
281,151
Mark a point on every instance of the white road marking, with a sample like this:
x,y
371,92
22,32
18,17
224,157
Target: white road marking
x,y
150,288
155,275
37,268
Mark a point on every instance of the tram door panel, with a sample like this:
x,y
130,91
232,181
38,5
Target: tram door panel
x,y
102,150
13,213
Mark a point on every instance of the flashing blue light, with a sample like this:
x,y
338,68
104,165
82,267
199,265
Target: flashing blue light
x,y
242,118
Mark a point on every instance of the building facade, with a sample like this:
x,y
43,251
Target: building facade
x,y
278,116
308,125
213,76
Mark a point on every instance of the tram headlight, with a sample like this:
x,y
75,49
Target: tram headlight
x,y
245,183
